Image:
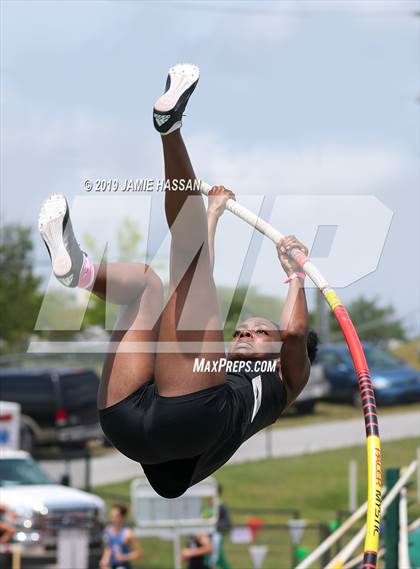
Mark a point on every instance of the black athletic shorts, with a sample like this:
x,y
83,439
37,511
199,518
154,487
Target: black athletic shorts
x,y
183,439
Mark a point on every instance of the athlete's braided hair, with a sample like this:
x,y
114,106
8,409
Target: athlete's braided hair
x,y
312,345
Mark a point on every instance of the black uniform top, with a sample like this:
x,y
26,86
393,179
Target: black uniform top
x,y
256,401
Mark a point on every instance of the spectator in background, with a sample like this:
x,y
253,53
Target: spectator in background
x,y
224,525
121,545
198,552
6,533
6,529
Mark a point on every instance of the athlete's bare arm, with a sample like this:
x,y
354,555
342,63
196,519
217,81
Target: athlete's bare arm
x,y
217,198
294,361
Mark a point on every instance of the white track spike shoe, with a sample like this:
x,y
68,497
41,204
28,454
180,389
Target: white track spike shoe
x,y
57,232
181,82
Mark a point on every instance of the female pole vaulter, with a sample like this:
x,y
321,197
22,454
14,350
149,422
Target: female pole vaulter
x,y
183,411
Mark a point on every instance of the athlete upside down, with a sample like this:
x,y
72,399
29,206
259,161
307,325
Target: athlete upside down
x,y
182,424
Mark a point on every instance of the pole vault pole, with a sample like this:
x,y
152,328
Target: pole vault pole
x,y
360,365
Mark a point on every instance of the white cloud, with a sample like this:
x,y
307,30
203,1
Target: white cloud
x,y
324,168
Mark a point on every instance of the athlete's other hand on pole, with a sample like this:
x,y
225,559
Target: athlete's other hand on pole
x,y
218,196
283,247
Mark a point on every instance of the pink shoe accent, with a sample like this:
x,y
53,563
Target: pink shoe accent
x,y
87,273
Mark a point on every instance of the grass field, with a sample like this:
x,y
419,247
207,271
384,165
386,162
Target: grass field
x,y
316,485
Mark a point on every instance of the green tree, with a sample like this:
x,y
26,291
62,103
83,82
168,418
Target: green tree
x,y
373,322
20,298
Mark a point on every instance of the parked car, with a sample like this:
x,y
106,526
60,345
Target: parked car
x,y
58,406
315,390
393,380
39,509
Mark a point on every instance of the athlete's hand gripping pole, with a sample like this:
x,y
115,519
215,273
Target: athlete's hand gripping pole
x,y
361,368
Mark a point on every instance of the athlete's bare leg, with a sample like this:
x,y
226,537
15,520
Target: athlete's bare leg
x,y
193,303
136,287
140,292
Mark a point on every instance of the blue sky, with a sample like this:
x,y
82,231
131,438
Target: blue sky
x,y
301,98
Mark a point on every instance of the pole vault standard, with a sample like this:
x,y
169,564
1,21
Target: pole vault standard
x,y
359,360
340,559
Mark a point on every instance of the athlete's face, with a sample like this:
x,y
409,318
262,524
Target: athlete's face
x,y
255,338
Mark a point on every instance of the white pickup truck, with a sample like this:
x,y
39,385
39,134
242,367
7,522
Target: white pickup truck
x,y
39,509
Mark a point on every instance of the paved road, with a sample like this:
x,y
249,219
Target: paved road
x,y
295,441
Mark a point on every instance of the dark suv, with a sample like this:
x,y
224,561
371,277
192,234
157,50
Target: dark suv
x,y
58,406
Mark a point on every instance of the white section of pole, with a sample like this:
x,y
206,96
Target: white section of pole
x,y
247,215
268,230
